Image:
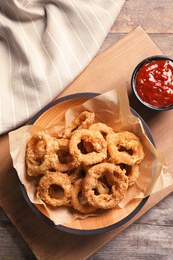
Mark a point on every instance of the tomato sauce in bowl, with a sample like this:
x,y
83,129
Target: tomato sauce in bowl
x,y
152,82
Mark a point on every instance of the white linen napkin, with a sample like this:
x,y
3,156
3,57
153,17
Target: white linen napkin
x,y
44,46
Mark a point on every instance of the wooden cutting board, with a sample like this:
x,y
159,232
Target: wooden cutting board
x,y
106,71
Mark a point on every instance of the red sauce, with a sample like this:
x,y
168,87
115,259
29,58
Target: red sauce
x,y
154,83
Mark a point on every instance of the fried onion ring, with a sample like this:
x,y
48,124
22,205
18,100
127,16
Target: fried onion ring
x,y
41,153
82,121
98,143
78,200
118,187
62,183
65,161
102,128
99,127
125,147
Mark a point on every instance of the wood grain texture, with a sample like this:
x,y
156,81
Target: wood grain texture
x,y
155,17
149,237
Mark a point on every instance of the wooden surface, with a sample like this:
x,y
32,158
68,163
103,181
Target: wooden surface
x,y
149,237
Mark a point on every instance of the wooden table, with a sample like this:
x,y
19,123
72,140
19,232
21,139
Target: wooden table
x,y
151,236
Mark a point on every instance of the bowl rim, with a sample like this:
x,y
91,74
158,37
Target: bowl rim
x,y
133,77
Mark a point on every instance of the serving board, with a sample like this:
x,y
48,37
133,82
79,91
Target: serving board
x,y
105,72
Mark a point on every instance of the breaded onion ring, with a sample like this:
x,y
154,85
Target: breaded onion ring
x,y
118,187
78,200
41,153
102,128
99,145
125,147
99,127
65,161
62,183
82,121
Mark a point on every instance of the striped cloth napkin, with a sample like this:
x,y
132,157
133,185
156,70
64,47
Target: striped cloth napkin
x,y
44,46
